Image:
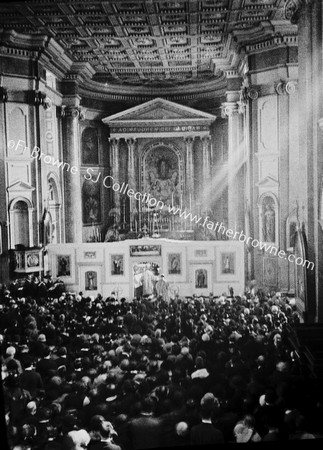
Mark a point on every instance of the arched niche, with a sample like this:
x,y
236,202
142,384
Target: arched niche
x,y
21,222
52,215
268,218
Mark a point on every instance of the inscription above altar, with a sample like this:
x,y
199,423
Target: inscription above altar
x,y
157,129
162,117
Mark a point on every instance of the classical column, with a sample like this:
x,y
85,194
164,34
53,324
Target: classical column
x,y
230,110
206,169
72,179
115,169
189,171
131,143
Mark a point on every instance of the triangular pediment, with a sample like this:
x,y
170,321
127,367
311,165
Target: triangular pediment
x,y
268,181
20,186
156,110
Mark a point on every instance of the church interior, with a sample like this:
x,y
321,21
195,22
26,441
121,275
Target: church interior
x,y
164,149
208,106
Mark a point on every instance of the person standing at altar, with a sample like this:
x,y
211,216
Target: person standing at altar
x,y
148,283
137,278
162,289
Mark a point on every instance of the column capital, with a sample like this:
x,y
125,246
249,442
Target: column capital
x,y
228,109
114,142
285,87
249,93
188,139
206,139
3,95
74,112
131,141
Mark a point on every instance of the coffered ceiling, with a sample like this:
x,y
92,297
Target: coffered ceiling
x,y
142,42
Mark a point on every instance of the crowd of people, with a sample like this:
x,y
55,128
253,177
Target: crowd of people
x,y
105,373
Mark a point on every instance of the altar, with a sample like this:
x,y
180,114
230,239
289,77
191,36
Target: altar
x,y
160,154
190,267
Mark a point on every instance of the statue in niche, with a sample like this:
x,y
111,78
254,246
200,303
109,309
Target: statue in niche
x,y
269,221
50,191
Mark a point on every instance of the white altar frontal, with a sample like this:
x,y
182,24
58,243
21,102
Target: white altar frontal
x,y
190,267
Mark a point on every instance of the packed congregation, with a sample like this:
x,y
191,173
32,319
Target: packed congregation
x,y
87,372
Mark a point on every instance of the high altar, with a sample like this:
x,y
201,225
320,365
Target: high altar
x,y
159,149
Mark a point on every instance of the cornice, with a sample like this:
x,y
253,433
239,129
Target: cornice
x,y
271,43
23,41
95,90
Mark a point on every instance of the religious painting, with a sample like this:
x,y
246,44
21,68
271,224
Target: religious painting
x,y
89,146
270,272
63,266
145,250
117,265
91,280
200,279
174,263
268,219
228,263
91,202
162,175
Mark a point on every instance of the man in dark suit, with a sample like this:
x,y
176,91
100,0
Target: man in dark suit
x,y
206,433
145,430
46,366
30,379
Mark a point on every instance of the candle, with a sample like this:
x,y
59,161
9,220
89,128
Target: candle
x,y
190,202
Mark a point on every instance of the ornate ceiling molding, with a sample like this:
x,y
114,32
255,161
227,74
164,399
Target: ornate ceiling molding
x,y
144,45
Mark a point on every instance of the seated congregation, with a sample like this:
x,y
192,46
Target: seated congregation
x,y
88,372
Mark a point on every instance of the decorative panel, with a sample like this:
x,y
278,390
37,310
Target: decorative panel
x,y
267,124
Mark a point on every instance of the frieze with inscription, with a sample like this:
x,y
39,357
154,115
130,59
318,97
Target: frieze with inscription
x,y
156,129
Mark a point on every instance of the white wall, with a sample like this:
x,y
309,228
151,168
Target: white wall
x,y
194,256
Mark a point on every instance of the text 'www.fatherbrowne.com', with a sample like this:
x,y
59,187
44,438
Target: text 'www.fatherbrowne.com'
x,y
240,236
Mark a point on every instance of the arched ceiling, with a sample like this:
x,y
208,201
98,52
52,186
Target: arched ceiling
x,y
142,43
